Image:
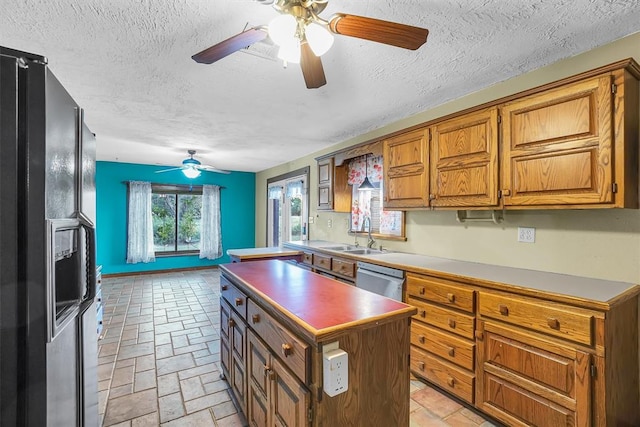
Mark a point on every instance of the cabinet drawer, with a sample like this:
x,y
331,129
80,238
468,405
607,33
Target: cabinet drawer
x,y
449,347
441,292
295,353
443,318
557,320
508,402
344,267
448,377
234,296
307,258
322,261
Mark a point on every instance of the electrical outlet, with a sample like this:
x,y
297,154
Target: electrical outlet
x,y
526,234
311,219
335,372
329,223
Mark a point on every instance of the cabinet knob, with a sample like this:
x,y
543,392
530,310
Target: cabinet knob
x,y
452,323
504,310
287,350
422,339
451,298
506,192
422,290
553,323
224,287
432,196
232,323
267,369
238,301
451,381
452,351
255,318
421,366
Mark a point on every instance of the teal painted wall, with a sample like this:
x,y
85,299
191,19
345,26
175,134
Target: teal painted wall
x,y
237,201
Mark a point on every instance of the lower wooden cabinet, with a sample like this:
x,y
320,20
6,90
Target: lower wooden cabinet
x,y
276,397
232,351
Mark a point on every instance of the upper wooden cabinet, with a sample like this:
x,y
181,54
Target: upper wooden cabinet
x,y
325,184
573,146
464,160
406,170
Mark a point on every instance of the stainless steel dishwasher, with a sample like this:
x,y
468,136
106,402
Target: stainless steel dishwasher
x,y
381,280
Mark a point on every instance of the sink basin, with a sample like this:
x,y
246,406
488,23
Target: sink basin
x,y
339,248
363,251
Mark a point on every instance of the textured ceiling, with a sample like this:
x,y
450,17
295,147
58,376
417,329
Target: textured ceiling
x,y
128,63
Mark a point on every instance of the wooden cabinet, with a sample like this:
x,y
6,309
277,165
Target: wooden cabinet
x,y
276,398
292,315
342,269
406,170
573,145
464,160
325,184
443,333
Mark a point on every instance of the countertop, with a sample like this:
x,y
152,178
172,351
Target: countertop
x,y
318,304
602,292
271,251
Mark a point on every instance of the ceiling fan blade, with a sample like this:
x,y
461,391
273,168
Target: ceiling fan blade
x,y
391,33
169,170
311,67
211,169
230,45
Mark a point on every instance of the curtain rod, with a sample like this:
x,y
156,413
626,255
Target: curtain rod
x,y
180,186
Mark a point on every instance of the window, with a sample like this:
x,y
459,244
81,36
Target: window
x,y
287,204
368,204
176,213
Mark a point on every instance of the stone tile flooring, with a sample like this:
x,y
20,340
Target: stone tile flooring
x,y
160,352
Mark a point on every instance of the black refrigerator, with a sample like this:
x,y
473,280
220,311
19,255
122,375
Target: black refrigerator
x,y
48,340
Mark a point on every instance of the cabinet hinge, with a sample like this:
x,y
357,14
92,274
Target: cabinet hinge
x,y
594,371
499,119
429,135
614,187
310,414
614,88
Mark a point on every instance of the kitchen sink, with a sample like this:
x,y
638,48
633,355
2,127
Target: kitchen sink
x,y
363,251
342,248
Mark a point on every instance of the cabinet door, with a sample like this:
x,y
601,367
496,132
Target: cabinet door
x,y
259,371
325,184
464,160
557,146
238,379
225,349
289,398
406,172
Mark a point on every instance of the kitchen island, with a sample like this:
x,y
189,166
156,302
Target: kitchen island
x,y
280,324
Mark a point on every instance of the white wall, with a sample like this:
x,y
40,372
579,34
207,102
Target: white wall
x,y
595,243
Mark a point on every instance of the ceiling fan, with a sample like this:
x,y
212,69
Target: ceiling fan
x,y
303,36
191,167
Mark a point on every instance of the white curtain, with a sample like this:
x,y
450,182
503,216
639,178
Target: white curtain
x,y
295,188
140,230
210,232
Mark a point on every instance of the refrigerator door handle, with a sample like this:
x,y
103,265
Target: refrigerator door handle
x,y
90,251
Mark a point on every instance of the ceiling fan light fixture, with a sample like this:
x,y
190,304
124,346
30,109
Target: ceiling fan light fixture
x,y
282,29
290,52
191,172
320,40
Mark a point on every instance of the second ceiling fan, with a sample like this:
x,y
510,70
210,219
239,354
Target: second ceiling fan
x,y
303,36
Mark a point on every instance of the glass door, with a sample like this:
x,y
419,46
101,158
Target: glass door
x,y
287,210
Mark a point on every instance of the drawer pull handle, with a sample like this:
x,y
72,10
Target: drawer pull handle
x,y
452,323
238,301
451,381
452,351
504,310
421,366
422,339
423,313
255,318
553,323
422,290
287,350
224,287
451,298
232,323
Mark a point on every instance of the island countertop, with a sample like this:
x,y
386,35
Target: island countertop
x,y
317,304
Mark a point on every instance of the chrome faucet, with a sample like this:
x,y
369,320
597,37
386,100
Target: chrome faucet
x,y
367,221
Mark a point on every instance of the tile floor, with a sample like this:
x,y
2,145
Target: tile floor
x,y
159,358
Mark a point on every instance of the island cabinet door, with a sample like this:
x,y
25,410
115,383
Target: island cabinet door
x,y
238,381
276,396
225,349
